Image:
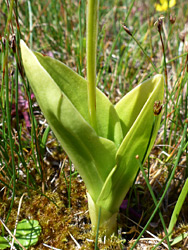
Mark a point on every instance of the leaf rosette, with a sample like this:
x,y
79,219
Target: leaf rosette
x,y
105,159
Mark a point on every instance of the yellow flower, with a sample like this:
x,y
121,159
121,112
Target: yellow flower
x,y
164,5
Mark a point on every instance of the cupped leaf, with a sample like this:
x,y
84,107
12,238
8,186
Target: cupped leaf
x,y
75,88
130,106
93,156
138,140
27,233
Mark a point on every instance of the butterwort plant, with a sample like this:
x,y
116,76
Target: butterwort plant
x,y
101,139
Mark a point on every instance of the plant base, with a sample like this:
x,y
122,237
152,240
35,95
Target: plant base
x,y
108,220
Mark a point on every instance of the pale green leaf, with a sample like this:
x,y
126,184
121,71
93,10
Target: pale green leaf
x,y
142,131
130,106
93,156
75,88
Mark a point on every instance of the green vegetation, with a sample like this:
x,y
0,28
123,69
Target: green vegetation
x,y
33,163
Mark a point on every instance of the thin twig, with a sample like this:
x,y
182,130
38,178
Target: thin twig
x,y
54,248
17,218
75,241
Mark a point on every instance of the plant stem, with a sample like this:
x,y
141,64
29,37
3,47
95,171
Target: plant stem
x,y
91,38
